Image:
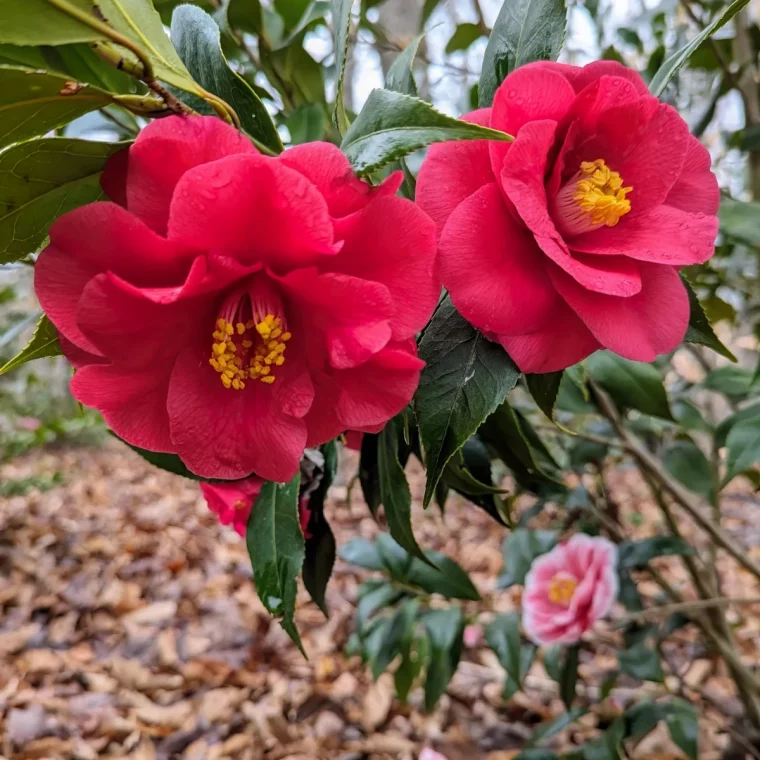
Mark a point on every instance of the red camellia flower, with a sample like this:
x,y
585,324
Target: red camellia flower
x,y
232,503
233,308
569,239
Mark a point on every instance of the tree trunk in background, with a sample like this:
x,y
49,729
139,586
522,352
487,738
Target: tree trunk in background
x,y
744,55
401,21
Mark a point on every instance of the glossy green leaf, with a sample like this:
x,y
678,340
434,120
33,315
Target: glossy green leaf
x,y
632,385
735,382
743,443
674,62
341,26
369,472
36,22
464,35
444,632
700,330
39,181
685,461
465,378
641,662
363,553
400,76
525,31
392,125
35,102
44,343
503,637
315,11
520,548
196,37
246,15
413,653
544,389
394,488
633,554
396,633
319,557
306,124
446,577
681,719
568,675
373,596
168,462
751,412
276,548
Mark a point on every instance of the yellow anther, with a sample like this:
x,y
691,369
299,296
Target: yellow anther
x,y
247,343
229,329
240,327
600,193
286,336
220,323
268,380
279,361
561,590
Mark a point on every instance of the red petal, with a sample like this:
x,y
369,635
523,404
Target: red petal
x,y
522,181
165,150
696,190
493,268
641,327
327,167
133,402
255,209
563,342
393,242
113,180
352,314
452,171
223,433
584,75
664,235
528,94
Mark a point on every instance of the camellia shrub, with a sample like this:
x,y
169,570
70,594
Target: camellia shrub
x,y
239,311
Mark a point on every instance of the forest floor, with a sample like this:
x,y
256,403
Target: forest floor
x,y
130,628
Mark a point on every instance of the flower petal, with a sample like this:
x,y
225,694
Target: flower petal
x,y
641,327
493,269
452,171
164,151
327,167
132,401
664,235
254,209
392,242
696,190
561,343
528,94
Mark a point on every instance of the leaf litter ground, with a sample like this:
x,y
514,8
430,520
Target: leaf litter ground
x,y
129,628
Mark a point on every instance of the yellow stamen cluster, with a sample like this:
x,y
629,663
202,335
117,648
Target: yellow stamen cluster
x,y
561,590
230,358
600,193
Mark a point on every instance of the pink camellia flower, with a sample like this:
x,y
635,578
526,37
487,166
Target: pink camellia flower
x,y
233,308
568,589
231,503
569,239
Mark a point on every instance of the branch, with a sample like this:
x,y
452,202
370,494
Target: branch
x,y
699,604
683,497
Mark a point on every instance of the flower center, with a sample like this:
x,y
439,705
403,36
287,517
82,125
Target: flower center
x,y
249,340
600,193
561,590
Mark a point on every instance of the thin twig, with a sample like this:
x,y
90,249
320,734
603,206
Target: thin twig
x,y
698,604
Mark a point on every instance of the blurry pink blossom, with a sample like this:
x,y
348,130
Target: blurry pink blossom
x,y
473,635
568,589
430,754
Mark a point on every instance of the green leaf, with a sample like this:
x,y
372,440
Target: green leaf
x,y
568,676
36,22
689,416
641,662
503,636
369,472
315,11
544,389
464,35
637,553
35,102
525,31
465,378
276,547
42,179
738,219
444,631
427,10
674,62
724,428
700,330
341,26
168,462
735,382
632,385
520,548
447,578
306,124
400,76
362,553
743,442
685,461
373,596
396,559
394,488
247,16
413,655
642,718
197,39
397,632
392,125
682,721
319,557
44,342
